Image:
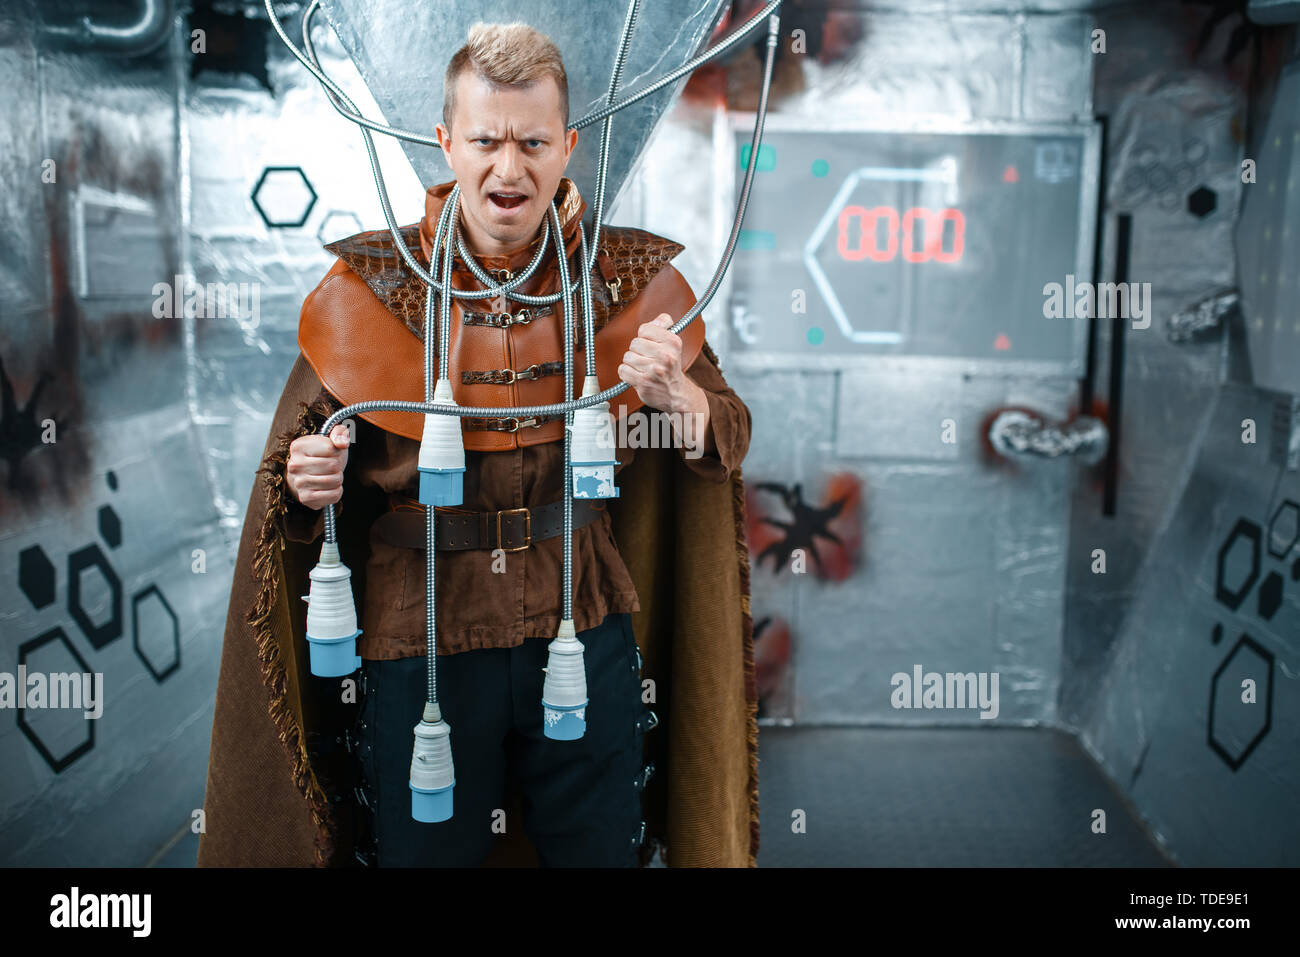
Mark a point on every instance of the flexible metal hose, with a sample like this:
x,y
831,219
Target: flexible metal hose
x,y
448,235
339,100
492,288
562,262
616,390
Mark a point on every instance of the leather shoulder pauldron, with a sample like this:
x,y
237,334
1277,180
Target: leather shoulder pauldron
x,y
348,334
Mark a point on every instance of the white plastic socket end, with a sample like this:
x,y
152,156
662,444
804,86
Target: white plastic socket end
x,y
564,692
442,454
593,452
331,616
433,776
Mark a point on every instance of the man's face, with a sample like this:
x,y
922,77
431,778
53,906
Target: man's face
x,y
508,152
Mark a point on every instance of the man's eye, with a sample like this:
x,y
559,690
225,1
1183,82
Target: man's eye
x,y
483,139
535,143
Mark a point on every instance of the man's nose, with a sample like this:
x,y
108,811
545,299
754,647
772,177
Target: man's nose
x,y
509,162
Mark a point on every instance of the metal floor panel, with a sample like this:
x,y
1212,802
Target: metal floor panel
x,y
926,797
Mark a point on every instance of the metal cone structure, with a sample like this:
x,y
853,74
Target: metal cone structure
x,y
401,49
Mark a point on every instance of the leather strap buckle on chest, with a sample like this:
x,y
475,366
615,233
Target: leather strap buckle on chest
x,y
506,376
503,320
607,272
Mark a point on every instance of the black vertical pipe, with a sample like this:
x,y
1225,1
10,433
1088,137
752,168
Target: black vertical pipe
x,y
1117,324
1087,384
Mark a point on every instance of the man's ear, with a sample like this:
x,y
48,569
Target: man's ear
x,y
570,141
444,140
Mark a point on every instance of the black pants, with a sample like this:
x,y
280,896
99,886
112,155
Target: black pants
x,y
581,799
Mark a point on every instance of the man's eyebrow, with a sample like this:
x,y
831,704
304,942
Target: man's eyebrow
x,y
492,135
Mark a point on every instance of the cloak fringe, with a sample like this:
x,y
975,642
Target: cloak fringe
x,y
747,621
265,563
751,680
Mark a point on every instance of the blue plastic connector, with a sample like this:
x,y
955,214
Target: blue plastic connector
x,y
442,487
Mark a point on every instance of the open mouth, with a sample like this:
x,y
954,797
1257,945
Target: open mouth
x,y
507,199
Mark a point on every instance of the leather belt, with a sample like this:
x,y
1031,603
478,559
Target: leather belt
x,y
510,529
474,423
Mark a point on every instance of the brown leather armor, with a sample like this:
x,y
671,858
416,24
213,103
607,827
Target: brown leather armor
x,y
362,328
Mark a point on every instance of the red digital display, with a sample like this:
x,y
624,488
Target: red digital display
x,y
932,230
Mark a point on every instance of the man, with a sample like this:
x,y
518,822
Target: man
x,y
505,136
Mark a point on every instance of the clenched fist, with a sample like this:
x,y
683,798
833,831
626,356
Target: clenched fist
x,y
315,469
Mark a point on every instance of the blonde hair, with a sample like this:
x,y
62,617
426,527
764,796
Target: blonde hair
x,y
505,54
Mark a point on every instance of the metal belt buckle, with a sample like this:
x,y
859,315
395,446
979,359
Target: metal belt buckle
x,y
528,528
501,275
513,376
523,316
529,373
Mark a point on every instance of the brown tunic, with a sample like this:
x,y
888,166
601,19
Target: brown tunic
x,y
524,600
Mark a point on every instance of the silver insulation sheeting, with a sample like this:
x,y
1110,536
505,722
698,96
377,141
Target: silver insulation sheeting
x,y
1196,716
137,178
402,60
962,562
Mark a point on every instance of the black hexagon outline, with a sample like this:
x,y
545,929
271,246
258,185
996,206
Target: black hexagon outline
x,y
57,765
54,576
1218,749
261,180
1252,531
158,677
1295,507
79,560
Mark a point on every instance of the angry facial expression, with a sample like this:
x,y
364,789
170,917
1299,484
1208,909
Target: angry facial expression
x,y
508,149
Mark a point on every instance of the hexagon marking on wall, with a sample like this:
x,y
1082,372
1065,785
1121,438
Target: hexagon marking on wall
x,y
1251,725
829,218
161,626
1201,202
81,561
110,526
36,576
1283,528
289,199
336,224
1270,596
1230,555
57,762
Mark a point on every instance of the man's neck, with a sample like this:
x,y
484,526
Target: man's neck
x,y
476,248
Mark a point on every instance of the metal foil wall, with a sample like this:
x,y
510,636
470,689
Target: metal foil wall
x,y
950,560
167,224
143,171
966,563
1191,691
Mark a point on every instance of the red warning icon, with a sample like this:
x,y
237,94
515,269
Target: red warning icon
x,y
1009,175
